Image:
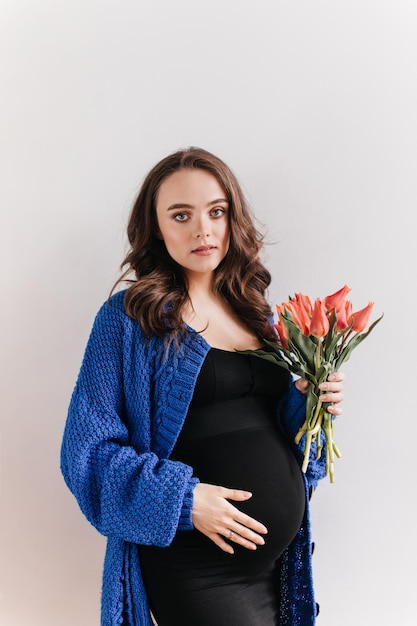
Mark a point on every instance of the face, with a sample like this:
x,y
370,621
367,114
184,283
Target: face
x,y
192,214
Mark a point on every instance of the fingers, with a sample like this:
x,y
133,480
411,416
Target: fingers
x,y
241,528
241,536
234,494
333,392
247,527
241,518
218,519
302,385
221,543
337,377
244,536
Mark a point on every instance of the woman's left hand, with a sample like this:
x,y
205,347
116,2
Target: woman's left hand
x,y
332,388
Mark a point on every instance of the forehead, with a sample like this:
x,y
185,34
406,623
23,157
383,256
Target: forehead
x,y
191,186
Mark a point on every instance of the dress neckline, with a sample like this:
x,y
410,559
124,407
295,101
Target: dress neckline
x,y
236,351
196,333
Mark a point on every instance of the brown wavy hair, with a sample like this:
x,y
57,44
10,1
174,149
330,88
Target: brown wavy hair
x,y
157,294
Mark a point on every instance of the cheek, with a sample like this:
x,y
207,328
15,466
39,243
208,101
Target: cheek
x,y
175,242
225,247
226,236
166,231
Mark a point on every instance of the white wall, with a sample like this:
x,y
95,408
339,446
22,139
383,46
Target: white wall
x,y
313,103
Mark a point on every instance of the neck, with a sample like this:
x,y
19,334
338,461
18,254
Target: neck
x,y
203,301
200,286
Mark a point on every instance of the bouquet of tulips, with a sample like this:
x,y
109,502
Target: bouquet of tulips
x,y
313,341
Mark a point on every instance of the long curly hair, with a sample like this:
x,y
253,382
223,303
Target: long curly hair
x,y
157,291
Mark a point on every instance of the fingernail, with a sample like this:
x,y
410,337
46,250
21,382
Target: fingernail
x,y
247,494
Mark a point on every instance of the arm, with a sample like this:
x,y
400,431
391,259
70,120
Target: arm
x,y
123,492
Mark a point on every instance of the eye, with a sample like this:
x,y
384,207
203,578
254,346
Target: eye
x,y
218,211
181,217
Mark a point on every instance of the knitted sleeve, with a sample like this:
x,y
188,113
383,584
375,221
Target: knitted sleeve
x,y
123,492
291,415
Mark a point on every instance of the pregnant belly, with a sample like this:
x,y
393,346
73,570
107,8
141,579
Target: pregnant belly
x,y
235,445
259,461
252,456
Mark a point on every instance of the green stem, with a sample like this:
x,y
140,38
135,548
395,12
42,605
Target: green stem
x,y
316,415
300,433
344,341
318,355
319,446
306,452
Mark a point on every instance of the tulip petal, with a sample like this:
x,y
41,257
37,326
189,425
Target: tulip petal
x,y
361,318
353,343
319,326
335,300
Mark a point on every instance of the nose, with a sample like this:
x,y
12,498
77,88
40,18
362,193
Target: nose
x,y
202,228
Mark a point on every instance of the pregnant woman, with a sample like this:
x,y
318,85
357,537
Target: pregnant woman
x,y
178,448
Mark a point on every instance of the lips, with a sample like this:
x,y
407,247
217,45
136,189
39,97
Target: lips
x,y
204,250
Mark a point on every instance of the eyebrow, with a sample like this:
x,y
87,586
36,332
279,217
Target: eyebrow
x,y
183,205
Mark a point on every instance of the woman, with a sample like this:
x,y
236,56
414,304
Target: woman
x,y
178,448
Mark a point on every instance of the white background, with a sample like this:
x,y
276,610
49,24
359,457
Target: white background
x,y
313,104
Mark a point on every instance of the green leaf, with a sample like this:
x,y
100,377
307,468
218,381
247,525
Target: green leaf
x,y
283,358
353,343
273,357
323,371
295,360
311,401
329,338
303,345
331,346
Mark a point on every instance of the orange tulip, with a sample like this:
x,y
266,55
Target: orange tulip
x,y
335,300
280,309
282,333
361,318
300,315
319,322
293,309
305,302
343,315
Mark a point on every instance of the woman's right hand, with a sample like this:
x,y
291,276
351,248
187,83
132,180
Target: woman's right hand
x,y
214,516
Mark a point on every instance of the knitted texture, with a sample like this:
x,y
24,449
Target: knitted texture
x,y
126,412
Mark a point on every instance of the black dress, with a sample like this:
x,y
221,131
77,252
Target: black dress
x,y
230,438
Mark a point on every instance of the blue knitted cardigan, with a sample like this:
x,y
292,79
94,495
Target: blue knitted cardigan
x,y
126,411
